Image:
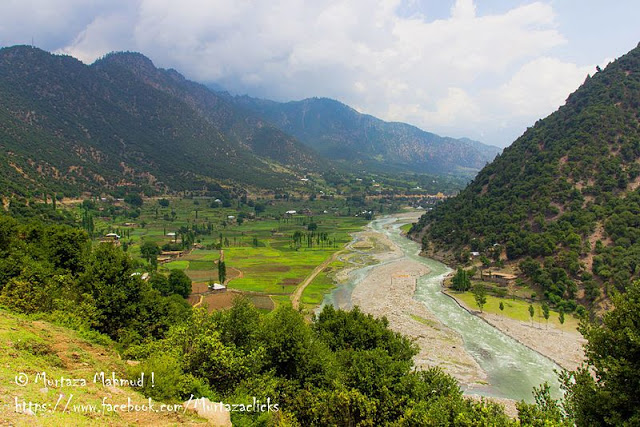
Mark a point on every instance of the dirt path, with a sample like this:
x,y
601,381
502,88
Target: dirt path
x,y
199,302
297,294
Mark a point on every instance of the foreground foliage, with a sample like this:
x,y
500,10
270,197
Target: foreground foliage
x,y
342,368
345,368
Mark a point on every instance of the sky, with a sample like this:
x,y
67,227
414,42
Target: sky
x,y
483,69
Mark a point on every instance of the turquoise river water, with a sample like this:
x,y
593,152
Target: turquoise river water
x,y
512,368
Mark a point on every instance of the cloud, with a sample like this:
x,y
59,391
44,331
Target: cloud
x,y
544,75
438,74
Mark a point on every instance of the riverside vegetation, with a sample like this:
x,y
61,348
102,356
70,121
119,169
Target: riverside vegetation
x,y
561,203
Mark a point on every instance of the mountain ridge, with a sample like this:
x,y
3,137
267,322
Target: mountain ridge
x,y
341,133
72,127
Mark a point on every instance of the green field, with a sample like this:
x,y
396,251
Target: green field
x,y
260,252
516,309
322,284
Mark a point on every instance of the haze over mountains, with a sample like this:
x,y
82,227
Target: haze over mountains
x,y
340,133
69,127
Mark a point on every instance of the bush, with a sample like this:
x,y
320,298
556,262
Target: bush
x,y
165,380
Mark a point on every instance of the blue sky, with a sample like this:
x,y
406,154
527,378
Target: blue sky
x,y
483,69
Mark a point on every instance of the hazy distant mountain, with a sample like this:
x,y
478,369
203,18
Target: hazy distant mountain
x,y
121,122
357,140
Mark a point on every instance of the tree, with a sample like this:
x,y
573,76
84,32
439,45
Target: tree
x,y
150,251
134,200
115,292
179,283
461,281
611,396
545,412
287,341
480,295
501,306
545,312
561,317
222,271
531,312
67,247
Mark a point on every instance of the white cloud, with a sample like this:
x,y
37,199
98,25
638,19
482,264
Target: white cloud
x,y
460,75
541,85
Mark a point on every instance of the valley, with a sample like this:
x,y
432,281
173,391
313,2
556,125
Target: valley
x,y
352,270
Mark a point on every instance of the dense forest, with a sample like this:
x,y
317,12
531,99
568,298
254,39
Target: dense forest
x,y
562,201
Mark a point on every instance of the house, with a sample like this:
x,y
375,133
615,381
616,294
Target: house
x,y
498,277
292,212
217,287
111,238
174,254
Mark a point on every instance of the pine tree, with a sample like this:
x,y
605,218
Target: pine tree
x,y
222,272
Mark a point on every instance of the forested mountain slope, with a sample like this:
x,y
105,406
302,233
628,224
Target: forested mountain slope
x,y
563,199
68,127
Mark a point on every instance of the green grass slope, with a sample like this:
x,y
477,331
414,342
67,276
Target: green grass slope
x,y
47,378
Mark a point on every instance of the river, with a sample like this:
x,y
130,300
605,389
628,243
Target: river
x,y
512,368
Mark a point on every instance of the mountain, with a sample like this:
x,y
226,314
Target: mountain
x,y
121,122
340,133
236,124
563,200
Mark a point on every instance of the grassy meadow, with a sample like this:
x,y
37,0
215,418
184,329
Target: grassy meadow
x,y
517,309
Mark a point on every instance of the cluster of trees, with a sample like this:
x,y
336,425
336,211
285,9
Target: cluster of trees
x,y
54,270
348,368
311,238
345,368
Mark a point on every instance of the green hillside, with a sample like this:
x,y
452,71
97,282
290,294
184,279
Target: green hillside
x,y
563,200
49,378
122,123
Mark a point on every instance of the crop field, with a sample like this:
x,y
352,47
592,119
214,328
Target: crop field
x,y
267,252
322,284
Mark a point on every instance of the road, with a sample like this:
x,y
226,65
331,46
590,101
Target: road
x,y
297,294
